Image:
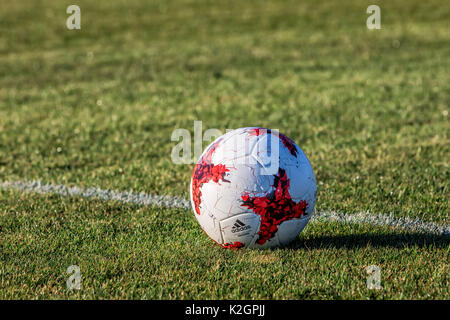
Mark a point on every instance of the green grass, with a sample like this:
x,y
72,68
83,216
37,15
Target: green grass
x,y
96,107
135,252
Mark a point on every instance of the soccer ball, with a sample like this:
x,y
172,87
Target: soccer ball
x,y
254,188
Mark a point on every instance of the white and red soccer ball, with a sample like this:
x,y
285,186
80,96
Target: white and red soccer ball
x,y
254,188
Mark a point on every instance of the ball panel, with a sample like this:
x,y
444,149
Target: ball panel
x,y
223,201
210,226
240,228
302,181
235,149
289,230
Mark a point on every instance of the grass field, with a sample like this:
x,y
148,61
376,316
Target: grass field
x,y
97,107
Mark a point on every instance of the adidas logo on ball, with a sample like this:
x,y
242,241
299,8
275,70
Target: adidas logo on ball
x,y
239,226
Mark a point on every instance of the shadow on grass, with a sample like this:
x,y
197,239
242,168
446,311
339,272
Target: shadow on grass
x,y
389,240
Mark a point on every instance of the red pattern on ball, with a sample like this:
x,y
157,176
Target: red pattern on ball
x,y
275,207
204,172
234,245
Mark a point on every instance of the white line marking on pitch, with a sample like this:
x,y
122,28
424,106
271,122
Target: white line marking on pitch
x,y
415,225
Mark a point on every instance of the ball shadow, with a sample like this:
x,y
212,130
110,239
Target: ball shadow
x,y
386,240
